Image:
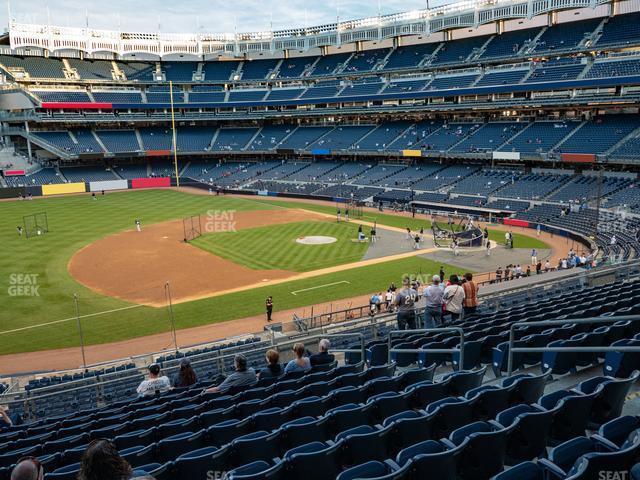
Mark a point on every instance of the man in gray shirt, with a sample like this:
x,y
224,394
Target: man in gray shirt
x,y
405,302
433,310
242,377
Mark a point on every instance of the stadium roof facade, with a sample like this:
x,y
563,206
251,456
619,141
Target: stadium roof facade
x,y
418,22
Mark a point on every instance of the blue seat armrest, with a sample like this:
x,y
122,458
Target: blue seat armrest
x,y
604,444
392,464
552,471
448,443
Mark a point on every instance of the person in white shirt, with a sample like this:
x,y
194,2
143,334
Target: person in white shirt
x,y
453,298
388,299
155,383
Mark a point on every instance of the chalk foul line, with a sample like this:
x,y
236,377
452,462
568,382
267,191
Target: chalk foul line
x,y
30,327
295,292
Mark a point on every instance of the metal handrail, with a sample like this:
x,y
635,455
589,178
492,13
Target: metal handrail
x,y
396,333
582,321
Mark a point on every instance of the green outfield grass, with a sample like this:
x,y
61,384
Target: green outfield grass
x,y
275,247
76,221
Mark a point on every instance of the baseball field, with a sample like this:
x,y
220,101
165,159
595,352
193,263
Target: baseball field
x,y
248,250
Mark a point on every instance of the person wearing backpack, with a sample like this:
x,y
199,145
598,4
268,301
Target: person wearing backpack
x,y
453,299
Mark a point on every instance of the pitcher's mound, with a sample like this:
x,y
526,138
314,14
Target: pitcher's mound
x,y
316,240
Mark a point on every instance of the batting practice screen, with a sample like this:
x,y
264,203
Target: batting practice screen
x,y
35,224
192,227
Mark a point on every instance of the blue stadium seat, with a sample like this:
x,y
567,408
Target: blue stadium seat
x,y
608,404
317,464
430,459
483,449
571,413
489,400
375,470
529,428
139,455
175,445
364,443
197,463
409,428
523,471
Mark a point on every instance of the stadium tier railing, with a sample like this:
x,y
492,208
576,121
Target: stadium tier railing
x,y
459,349
552,323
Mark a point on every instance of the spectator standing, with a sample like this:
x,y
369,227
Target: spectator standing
x,y
388,297
269,307
534,256
300,363
470,294
323,357
242,377
453,298
405,303
155,384
433,309
186,376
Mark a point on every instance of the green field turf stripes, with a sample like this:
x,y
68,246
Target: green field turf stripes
x,y
275,248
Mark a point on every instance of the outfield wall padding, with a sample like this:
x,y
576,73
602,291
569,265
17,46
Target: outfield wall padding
x,y
59,189
516,222
108,185
12,192
150,182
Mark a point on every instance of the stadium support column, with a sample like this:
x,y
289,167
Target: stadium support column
x,y
26,129
173,132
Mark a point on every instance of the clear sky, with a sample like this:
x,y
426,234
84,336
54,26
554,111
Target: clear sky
x,y
217,16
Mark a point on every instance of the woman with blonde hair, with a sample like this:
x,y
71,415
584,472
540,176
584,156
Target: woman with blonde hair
x,y
300,363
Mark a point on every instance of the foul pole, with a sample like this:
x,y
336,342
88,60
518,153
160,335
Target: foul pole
x,y
173,131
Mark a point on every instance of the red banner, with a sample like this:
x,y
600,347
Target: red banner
x,y
579,157
158,153
77,105
14,173
515,222
151,182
